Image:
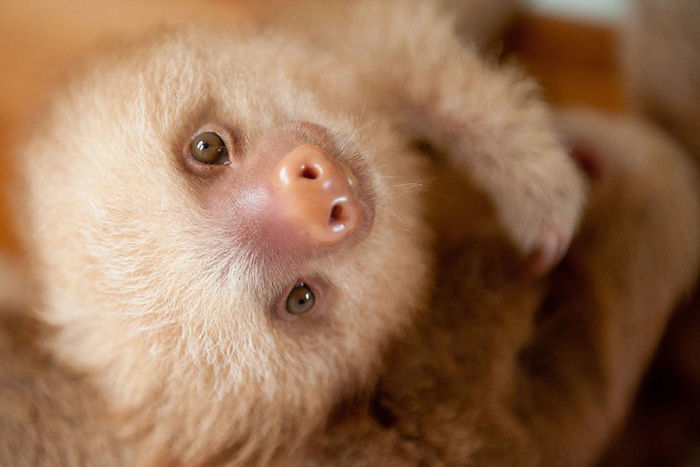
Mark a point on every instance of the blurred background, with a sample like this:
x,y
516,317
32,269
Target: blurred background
x,y
570,46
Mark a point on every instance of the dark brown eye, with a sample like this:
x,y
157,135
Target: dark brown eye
x,y
208,148
300,300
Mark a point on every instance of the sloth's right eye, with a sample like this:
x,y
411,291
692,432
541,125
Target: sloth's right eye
x,y
300,300
209,148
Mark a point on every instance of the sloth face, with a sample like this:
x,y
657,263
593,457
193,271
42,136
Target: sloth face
x,y
205,206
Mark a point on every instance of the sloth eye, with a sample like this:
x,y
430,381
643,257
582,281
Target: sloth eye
x,y
300,300
208,148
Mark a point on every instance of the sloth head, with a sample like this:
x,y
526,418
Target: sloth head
x,y
205,212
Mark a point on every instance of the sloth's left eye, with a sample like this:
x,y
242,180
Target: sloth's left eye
x,y
209,148
300,300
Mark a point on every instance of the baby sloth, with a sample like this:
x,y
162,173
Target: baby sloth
x,y
228,227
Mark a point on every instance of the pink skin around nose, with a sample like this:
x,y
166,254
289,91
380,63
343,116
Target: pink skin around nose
x,y
316,195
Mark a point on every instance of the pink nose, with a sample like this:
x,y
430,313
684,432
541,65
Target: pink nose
x,y
318,195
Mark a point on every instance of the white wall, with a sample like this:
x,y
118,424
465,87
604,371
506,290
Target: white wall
x,y
599,10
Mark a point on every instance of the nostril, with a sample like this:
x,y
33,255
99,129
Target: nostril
x,y
309,172
317,197
336,214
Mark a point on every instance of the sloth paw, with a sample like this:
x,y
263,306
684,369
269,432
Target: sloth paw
x,y
545,229
547,252
553,242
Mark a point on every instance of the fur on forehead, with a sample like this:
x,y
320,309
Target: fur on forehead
x,y
186,79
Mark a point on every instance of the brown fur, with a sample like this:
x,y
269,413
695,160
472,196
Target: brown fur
x,y
505,373
662,65
14,288
160,332
50,415
482,21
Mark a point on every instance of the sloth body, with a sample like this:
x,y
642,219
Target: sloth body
x,y
505,372
164,279
664,78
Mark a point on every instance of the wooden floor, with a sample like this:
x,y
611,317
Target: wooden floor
x,y
576,64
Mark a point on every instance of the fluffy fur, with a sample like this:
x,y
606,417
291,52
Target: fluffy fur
x,y
165,321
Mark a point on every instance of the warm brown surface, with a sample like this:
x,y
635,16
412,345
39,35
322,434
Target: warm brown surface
x,y
40,39
576,64
8,241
